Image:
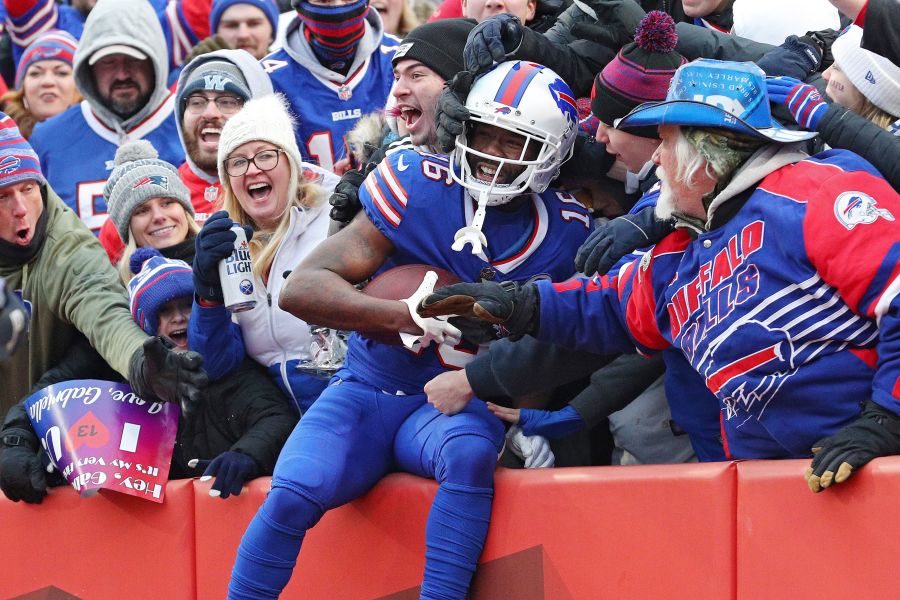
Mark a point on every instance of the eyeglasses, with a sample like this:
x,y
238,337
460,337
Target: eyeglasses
x,y
227,105
265,160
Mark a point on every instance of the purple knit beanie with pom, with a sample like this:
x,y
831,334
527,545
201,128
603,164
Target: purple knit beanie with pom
x,y
157,280
640,72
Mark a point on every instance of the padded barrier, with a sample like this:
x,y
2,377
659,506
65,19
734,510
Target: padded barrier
x,y
716,530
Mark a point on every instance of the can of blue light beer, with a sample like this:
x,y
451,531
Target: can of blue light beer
x,y
236,275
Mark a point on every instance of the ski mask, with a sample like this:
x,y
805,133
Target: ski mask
x,y
333,31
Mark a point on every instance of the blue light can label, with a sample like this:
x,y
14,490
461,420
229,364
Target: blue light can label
x,y
236,275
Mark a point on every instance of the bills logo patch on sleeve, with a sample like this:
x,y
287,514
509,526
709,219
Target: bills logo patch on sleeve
x,y
857,208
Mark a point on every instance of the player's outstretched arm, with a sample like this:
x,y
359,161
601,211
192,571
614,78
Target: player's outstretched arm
x,y
321,289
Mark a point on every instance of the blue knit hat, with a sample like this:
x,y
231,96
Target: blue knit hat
x,y
269,8
18,160
53,45
157,280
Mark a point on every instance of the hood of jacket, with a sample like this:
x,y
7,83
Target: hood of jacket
x,y
257,81
761,163
299,49
132,23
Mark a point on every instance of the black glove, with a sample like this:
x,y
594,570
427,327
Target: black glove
x,y
515,307
205,46
796,57
13,321
157,373
823,39
589,158
215,241
476,331
615,25
22,476
619,237
231,469
345,198
875,433
451,113
492,40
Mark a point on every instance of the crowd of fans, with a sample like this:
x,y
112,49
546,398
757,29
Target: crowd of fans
x,y
674,223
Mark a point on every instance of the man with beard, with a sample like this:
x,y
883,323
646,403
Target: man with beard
x,y
120,70
779,286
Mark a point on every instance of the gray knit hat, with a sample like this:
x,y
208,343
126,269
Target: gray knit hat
x,y
139,176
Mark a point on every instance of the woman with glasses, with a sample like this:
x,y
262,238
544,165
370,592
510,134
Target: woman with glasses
x,y
266,190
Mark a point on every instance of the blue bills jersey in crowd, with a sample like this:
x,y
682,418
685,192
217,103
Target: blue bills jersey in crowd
x,y
77,152
325,110
413,201
789,311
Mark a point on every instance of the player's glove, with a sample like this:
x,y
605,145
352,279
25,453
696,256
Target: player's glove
x,y
451,113
207,45
494,40
619,237
803,101
515,307
550,424
231,469
215,241
22,476
435,329
159,373
13,321
615,25
875,433
533,449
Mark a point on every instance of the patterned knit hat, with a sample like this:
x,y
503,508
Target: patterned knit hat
x,y
439,46
157,280
140,175
269,8
18,160
640,72
53,45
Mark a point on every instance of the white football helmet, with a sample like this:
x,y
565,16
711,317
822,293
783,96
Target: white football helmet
x,y
528,99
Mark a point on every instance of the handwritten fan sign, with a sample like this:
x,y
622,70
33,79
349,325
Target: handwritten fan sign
x,y
100,435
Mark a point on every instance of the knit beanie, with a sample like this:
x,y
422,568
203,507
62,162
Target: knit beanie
x,y
438,46
157,280
53,45
18,160
264,119
876,77
213,76
640,72
269,8
140,175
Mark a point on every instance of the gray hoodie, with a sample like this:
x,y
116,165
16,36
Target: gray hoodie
x,y
257,81
132,23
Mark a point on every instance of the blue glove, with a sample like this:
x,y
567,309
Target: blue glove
x,y
803,101
214,242
231,469
796,57
492,40
550,424
620,237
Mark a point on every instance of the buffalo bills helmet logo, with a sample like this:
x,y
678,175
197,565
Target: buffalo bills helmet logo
x,y
160,180
503,110
564,100
9,164
856,208
246,287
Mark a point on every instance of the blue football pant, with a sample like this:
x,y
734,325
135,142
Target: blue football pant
x,y
351,437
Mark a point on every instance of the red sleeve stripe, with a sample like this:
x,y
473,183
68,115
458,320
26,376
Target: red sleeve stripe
x,y
383,206
387,173
640,309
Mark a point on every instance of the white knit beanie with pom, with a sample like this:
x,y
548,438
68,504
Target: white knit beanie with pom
x,y
140,175
876,77
263,119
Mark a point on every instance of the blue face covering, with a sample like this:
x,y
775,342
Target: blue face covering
x,y
334,31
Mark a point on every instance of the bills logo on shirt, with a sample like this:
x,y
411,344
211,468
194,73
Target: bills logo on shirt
x,y
857,208
160,180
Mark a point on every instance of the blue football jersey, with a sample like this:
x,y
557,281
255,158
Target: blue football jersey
x,y
413,201
326,110
77,152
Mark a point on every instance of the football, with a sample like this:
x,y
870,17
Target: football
x,y
400,282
